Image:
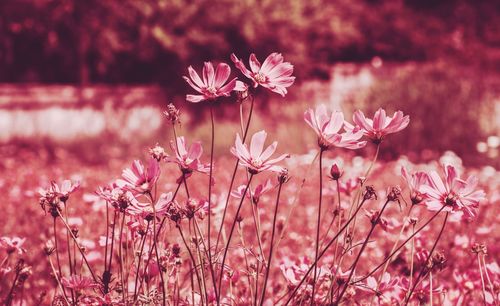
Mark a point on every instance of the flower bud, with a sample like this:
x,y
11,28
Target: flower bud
x,y
335,172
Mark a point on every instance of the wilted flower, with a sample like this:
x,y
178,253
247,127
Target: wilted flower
x,y
257,159
172,113
414,182
148,210
381,125
78,282
274,74
138,179
12,245
188,159
213,84
157,152
255,194
194,207
453,193
327,127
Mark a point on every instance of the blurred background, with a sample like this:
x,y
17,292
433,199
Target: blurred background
x,y
87,80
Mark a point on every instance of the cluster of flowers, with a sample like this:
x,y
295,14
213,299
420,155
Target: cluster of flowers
x,y
175,247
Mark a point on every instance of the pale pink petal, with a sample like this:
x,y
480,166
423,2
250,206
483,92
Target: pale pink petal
x,y
254,63
257,143
195,98
195,77
221,74
208,74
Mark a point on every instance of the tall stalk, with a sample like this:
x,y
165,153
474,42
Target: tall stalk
x,y
318,224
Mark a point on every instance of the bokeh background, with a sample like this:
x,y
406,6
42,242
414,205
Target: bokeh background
x,y
88,79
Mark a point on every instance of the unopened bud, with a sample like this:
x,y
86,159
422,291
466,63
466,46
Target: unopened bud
x,y
335,172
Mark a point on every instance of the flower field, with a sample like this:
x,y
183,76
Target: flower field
x,y
257,224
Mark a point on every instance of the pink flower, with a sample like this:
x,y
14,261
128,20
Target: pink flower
x,y
381,125
414,182
188,159
454,193
195,207
213,84
274,74
78,282
138,179
253,195
348,186
55,193
148,210
327,128
257,159
12,245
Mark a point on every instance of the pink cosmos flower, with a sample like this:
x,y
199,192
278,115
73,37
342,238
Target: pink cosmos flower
x,y
257,159
454,193
273,74
327,128
188,159
381,125
213,84
414,182
78,282
138,179
147,210
55,193
196,207
255,194
12,245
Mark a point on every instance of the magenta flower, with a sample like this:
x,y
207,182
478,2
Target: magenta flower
x,y
273,74
381,125
213,84
327,128
188,159
138,179
12,245
414,182
255,194
257,159
78,282
148,210
454,193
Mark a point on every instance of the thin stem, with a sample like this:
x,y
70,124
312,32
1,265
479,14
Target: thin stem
x,y
231,235
483,287
191,256
271,246
233,176
143,242
365,243
209,225
297,287
318,224
422,270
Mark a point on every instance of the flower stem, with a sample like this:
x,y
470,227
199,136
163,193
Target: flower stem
x,y
318,224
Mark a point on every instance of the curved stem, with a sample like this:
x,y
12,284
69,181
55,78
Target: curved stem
x,y
422,271
318,224
271,246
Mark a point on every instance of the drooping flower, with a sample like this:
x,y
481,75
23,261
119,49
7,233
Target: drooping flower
x,y
453,193
138,179
257,159
255,194
78,282
148,210
12,245
188,159
414,182
273,74
327,127
381,124
67,188
213,84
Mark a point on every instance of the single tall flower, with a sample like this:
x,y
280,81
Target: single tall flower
x,y
188,159
453,193
273,74
213,84
138,179
257,159
381,125
327,128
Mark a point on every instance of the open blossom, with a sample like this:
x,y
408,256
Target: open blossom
x,y
381,124
453,193
213,84
138,179
255,194
414,182
273,74
148,210
257,159
188,159
55,193
327,127
12,245
78,282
